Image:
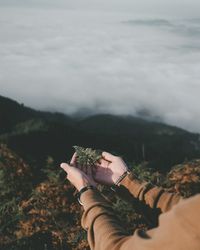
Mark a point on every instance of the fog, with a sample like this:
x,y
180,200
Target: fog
x,y
118,57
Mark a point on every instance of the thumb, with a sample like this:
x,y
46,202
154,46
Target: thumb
x,y
66,167
107,156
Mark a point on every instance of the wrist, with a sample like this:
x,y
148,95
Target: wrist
x,y
83,185
120,178
82,191
129,180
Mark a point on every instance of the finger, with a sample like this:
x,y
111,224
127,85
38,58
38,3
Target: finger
x,y
79,167
84,169
107,156
94,168
105,163
74,159
66,167
93,171
89,170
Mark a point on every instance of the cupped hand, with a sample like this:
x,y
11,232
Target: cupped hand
x,y
77,177
107,171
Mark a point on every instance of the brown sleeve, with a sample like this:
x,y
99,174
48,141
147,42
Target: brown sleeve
x,y
152,196
105,233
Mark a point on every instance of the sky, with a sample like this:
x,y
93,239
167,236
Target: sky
x,y
121,57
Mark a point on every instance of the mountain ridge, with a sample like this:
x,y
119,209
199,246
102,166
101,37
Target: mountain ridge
x,y
27,111
36,135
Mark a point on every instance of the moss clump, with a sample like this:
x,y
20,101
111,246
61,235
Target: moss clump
x,y
87,156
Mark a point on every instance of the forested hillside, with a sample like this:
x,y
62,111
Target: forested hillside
x,y
36,135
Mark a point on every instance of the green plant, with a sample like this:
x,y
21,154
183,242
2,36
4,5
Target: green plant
x,y
144,173
87,156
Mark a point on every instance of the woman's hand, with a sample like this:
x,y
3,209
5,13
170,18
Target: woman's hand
x,y
109,169
77,177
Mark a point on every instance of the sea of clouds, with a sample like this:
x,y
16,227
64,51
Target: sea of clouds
x,y
114,62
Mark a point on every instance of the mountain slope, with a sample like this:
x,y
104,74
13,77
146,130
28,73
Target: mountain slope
x,y
13,113
35,135
112,124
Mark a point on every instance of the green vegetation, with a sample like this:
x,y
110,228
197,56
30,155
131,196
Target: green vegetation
x,y
47,215
87,156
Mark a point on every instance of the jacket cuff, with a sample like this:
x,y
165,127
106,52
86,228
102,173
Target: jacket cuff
x,y
92,197
134,185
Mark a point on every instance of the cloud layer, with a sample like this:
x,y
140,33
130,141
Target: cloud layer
x,y
104,62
